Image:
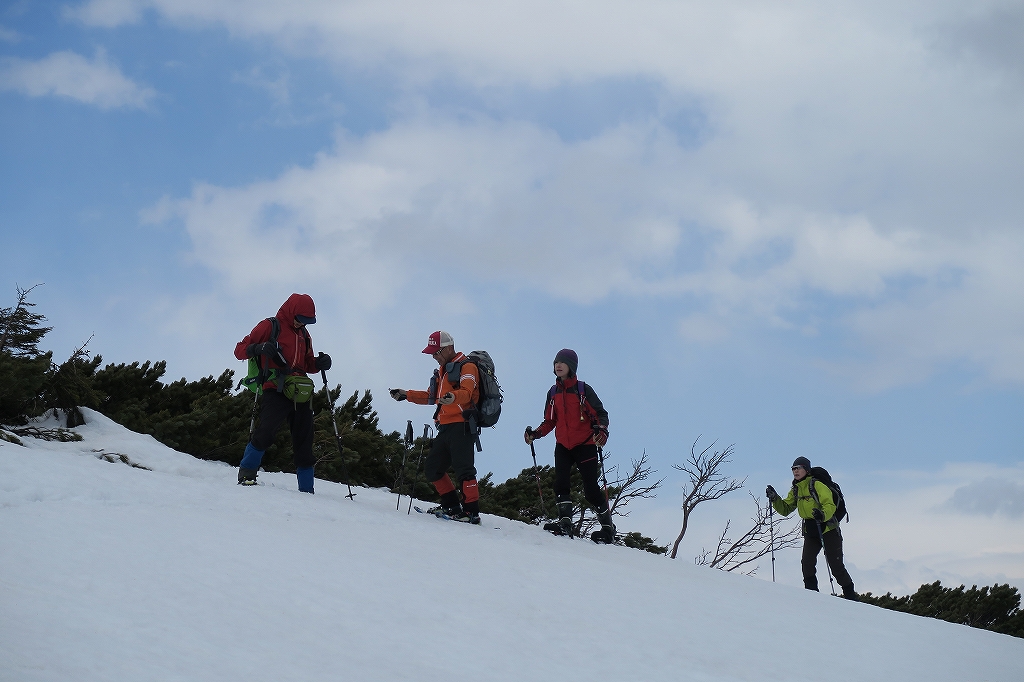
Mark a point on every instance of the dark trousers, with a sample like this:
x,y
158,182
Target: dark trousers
x,y
585,459
453,447
833,555
273,412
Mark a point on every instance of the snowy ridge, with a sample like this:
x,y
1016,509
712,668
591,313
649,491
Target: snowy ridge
x,y
110,572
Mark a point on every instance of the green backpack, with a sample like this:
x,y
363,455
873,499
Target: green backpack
x,y
298,388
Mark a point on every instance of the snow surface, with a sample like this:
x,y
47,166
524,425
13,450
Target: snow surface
x,y
115,573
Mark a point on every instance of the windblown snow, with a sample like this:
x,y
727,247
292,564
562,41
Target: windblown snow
x,y
123,574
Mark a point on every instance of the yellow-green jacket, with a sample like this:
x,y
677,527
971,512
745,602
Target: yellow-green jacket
x,y
802,501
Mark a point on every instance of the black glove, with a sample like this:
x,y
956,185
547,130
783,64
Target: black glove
x,y
600,435
818,515
270,349
323,361
529,435
772,495
397,394
254,349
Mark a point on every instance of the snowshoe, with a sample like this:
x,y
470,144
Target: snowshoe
x,y
554,528
559,528
449,514
246,477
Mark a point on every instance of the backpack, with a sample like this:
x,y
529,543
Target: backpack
x,y
296,389
820,474
488,410
584,405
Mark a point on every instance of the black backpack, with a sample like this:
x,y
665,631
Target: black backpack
x,y
489,409
820,474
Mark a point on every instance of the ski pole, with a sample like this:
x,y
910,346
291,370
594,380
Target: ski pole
x,y
771,534
412,493
828,569
536,475
337,438
401,473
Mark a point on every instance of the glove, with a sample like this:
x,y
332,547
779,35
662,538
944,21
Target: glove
x,y
447,399
398,394
323,361
269,349
600,435
529,436
818,515
772,495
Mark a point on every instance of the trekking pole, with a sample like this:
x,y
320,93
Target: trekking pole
x,y
337,438
252,422
412,493
828,569
536,475
604,481
401,473
771,534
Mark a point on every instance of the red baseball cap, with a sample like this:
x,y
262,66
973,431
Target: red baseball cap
x,y
437,341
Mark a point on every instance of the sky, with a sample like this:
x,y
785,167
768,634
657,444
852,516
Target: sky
x,y
794,228
121,573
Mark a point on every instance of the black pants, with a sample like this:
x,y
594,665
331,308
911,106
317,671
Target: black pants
x,y
453,447
833,555
585,459
273,412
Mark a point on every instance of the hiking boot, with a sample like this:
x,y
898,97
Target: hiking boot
x,y
849,593
607,533
462,516
565,508
246,476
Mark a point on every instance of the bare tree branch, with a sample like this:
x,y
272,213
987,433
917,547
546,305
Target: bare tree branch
x,y
622,491
706,482
632,487
759,540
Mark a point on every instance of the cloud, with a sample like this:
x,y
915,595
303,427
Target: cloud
x,y
632,211
9,36
107,13
991,35
67,74
853,173
989,497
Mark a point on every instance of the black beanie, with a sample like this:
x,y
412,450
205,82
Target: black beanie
x,y
568,356
802,462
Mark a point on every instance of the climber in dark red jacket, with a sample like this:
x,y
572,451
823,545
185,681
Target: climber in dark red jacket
x,y
289,357
580,423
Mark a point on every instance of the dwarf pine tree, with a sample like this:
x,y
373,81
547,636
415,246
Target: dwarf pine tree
x,y
996,608
23,367
69,386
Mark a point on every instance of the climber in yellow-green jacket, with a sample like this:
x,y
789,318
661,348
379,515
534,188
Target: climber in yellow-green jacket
x,y
817,508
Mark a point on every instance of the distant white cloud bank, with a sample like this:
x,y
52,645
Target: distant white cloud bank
x,y
96,82
857,172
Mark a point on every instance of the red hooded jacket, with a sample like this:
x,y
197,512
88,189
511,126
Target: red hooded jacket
x,y
572,416
295,344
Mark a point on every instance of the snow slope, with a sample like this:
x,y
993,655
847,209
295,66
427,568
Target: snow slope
x,y
115,573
